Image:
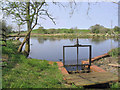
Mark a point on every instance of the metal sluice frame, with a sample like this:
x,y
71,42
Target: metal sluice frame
x,y
77,45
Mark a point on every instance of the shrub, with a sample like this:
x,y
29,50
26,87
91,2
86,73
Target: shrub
x,y
116,29
114,52
99,29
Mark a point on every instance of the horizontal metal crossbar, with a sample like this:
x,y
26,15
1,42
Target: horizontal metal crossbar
x,y
77,65
78,46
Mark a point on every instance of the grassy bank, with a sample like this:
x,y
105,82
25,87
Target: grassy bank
x,y
81,33
114,52
70,35
20,72
56,31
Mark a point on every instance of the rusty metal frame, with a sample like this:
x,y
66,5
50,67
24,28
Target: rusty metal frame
x,y
77,45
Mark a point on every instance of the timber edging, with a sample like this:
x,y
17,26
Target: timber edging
x,y
96,77
93,67
99,57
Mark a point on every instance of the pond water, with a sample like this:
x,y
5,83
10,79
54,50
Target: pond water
x,y
52,48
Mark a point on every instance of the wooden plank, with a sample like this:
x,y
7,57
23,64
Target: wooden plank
x,y
85,79
84,83
99,57
102,79
75,80
96,74
80,81
102,75
71,77
114,65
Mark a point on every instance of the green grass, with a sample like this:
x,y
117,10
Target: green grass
x,y
114,52
20,72
115,85
56,31
82,34
59,31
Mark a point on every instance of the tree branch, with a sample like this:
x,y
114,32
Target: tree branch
x,y
37,14
48,15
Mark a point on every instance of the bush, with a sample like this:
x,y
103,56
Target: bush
x,y
115,85
99,29
114,52
116,29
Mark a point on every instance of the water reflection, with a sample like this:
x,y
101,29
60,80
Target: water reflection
x,y
98,40
93,40
41,40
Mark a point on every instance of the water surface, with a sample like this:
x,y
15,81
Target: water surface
x,y
52,48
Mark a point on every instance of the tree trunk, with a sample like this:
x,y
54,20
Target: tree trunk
x,y
27,38
27,46
24,41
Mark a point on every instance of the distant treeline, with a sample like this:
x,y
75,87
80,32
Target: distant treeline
x,y
93,29
96,29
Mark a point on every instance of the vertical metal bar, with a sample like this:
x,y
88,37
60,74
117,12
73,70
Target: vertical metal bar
x,y
77,53
90,54
77,57
63,56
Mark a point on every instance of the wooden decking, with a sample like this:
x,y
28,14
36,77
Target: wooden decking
x,y
92,78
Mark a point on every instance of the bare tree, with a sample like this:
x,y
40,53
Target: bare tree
x,y
29,13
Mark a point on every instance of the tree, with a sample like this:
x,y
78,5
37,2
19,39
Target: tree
x,y
4,30
95,28
5,27
98,29
41,27
29,13
116,29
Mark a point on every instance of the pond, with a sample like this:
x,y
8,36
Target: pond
x,y
52,48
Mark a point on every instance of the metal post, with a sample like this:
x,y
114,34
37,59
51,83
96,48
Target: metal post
x,y
63,56
77,53
77,57
90,54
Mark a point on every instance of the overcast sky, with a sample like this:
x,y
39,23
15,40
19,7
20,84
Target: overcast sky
x,y
102,13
